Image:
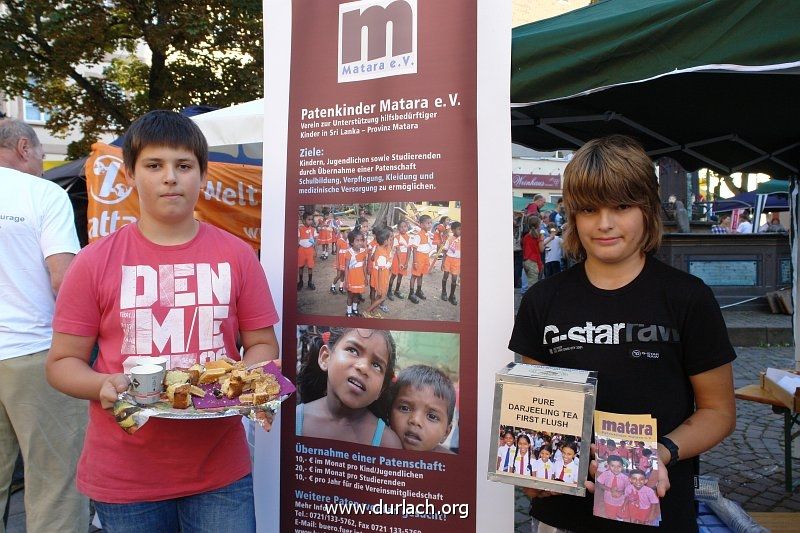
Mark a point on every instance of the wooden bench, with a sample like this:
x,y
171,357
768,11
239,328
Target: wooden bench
x,y
778,522
754,393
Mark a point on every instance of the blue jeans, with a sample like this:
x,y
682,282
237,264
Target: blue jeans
x,y
229,508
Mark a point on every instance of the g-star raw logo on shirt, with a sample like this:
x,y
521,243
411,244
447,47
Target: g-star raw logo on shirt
x,y
193,318
636,353
363,30
616,333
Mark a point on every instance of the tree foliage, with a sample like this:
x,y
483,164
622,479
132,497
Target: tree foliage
x,y
78,59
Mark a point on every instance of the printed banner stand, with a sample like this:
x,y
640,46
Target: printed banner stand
x,y
398,135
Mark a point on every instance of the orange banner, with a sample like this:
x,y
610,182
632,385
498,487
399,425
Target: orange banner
x,y
231,199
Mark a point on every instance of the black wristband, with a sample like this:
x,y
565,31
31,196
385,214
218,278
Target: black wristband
x,y
667,443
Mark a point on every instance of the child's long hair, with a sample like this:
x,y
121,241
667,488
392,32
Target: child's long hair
x,y
529,453
611,171
312,381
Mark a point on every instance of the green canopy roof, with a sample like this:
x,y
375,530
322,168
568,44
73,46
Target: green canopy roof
x,y
711,83
771,186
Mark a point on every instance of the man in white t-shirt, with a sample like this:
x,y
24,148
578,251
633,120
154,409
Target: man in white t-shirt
x,y
552,253
37,243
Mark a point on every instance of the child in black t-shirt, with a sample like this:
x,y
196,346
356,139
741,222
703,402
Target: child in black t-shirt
x,y
617,302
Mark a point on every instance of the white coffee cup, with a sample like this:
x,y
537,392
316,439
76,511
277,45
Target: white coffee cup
x,y
159,360
146,383
132,361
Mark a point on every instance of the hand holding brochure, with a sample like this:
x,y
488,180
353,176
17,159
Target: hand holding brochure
x,y
627,468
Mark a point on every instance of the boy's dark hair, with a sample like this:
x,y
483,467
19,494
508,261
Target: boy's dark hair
x,y
360,221
616,458
306,215
351,237
419,376
441,220
647,452
382,234
455,225
424,218
164,128
636,471
312,381
610,442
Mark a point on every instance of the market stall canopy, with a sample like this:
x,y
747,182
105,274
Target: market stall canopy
x,y
749,200
238,124
770,186
710,83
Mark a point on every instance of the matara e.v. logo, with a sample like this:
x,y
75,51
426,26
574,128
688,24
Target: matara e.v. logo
x,y
377,39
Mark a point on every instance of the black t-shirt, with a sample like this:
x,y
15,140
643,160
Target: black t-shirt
x,y
644,340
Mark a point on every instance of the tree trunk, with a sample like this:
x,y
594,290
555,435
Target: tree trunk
x,y
387,215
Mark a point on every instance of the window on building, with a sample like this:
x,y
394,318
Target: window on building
x,y
33,113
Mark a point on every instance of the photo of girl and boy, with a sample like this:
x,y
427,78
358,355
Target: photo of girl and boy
x,y
625,481
373,260
394,389
538,454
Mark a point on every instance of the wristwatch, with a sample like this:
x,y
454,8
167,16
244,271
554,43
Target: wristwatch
x,y
667,443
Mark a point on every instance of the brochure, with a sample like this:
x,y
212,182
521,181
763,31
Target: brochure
x,y
627,468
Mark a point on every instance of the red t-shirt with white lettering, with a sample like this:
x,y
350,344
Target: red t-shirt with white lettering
x,y
186,302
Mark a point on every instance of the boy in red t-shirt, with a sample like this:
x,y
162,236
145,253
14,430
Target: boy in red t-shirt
x,y
532,247
166,285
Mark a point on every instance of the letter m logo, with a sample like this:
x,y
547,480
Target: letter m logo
x,y
377,38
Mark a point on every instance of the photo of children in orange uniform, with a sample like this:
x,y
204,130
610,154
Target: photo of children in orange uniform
x,y
400,243
394,389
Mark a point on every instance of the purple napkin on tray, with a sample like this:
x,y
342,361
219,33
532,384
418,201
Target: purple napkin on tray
x,y
209,401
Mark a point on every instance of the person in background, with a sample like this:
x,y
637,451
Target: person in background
x,y
558,216
37,243
552,252
724,225
518,233
535,206
745,226
773,225
532,247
